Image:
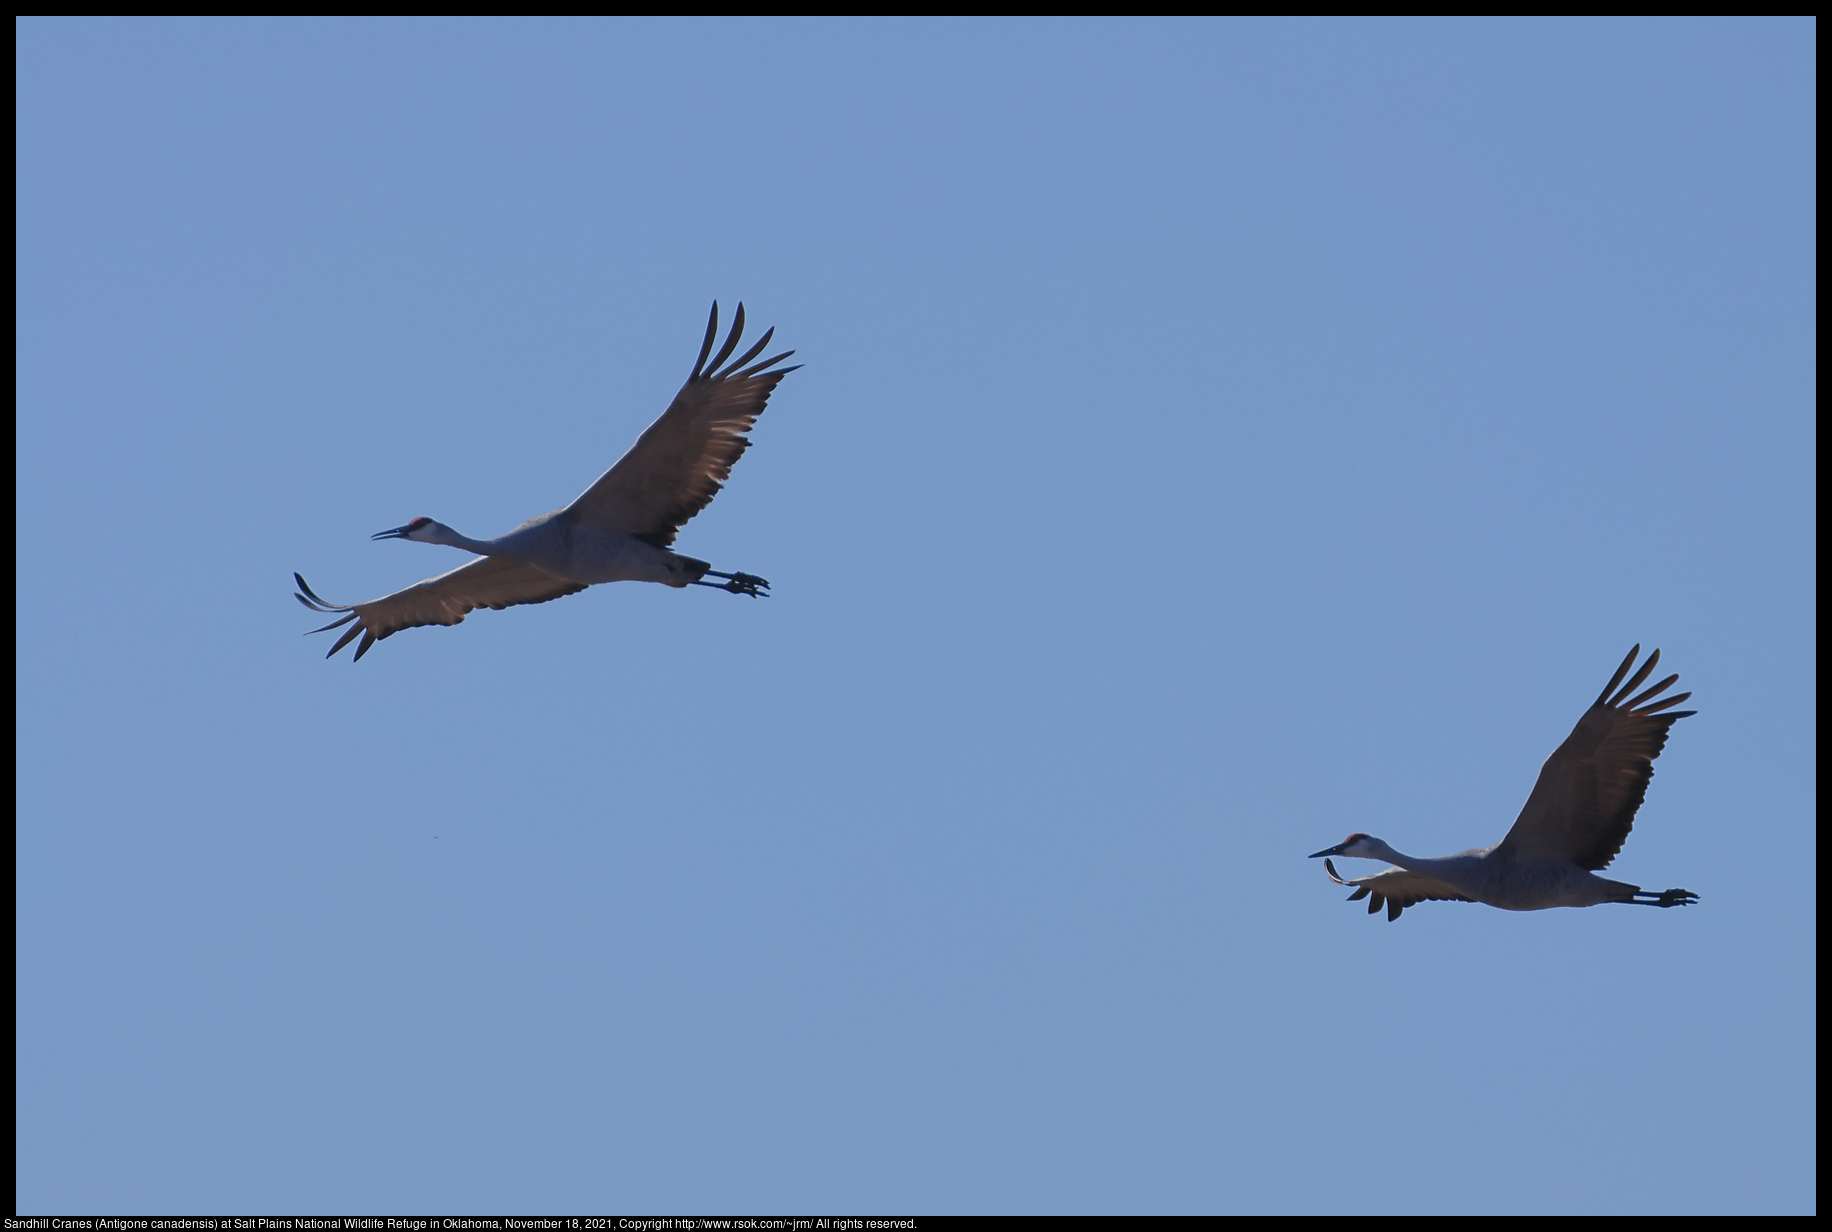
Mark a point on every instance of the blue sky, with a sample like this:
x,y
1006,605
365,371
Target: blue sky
x,y
1215,437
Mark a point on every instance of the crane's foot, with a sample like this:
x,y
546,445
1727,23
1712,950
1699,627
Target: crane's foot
x,y
738,584
1666,898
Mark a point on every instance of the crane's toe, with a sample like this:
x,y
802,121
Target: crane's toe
x,y
1677,898
737,583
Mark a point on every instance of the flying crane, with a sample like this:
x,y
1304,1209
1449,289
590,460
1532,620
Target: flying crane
x,y
1574,822
620,530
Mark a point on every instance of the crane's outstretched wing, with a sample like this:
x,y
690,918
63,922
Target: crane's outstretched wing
x,y
1584,803
494,582
674,469
1396,889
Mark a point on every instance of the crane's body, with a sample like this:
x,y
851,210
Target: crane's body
x,y
554,545
619,530
1574,822
1490,875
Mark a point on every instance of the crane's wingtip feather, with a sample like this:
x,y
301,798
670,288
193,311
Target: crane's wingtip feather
x,y
312,600
748,356
1655,709
1620,673
1641,699
1634,682
731,341
712,332
326,628
756,371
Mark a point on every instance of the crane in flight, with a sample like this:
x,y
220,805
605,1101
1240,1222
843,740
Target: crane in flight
x,y
1574,822
618,531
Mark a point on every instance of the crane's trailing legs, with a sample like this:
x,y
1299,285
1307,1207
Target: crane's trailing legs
x,y
1667,898
737,583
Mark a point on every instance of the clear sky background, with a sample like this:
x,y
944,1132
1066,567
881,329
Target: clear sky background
x,y
1216,437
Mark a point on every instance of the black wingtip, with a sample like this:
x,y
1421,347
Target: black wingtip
x,y
310,598
1641,699
1603,697
749,355
731,343
1634,682
756,369
712,331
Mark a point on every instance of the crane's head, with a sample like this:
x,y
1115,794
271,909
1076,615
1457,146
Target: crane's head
x,y
420,530
1365,845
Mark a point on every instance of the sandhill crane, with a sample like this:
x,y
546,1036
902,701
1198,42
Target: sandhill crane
x,y
1575,820
618,531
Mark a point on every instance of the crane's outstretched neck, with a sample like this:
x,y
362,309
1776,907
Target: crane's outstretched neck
x,y
1376,849
425,530
1460,872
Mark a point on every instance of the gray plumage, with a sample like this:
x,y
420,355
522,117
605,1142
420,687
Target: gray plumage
x,y
1575,821
619,530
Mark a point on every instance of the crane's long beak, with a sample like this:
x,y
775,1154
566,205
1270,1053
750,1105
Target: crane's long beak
x,y
399,532
1328,851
